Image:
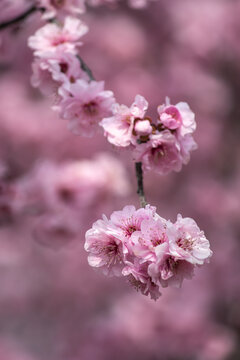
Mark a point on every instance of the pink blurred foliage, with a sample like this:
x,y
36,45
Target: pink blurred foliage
x,y
52,304
12,8
170,329
13,351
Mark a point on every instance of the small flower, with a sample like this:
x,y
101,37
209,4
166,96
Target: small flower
x,y
145,242
119,127
187,242
170,117
129,219
52,37
42,77
84,104
104,247
178,116
187,144
174,271
139,278
161,153
54,69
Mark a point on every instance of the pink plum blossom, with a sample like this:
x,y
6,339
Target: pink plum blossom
x,y
129,219
187,247
61,8
188,242
152,251
187,144
170,117
104,247
169,271
152,234
84,104
119,127
139,278
51,37
178,116
42,77
52,70
161,153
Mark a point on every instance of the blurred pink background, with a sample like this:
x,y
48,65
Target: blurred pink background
x,y
54,185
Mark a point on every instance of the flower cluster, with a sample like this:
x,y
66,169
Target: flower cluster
x,y
148,249
57,70
162,145
57,198
84,104
55,50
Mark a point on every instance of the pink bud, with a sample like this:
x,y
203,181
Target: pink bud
x,y
143,127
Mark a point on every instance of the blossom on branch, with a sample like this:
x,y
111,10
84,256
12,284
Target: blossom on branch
x,y
161,153
149,250
119,128
51,37
105,247
53,69
178,116
162,144
84,104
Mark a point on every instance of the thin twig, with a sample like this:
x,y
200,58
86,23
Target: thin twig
x,y
140,190
24,16
86,68
18,18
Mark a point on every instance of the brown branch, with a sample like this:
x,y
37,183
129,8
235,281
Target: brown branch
x,y
19,18
85,68
140,190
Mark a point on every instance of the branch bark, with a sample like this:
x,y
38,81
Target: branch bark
x,y
140,190
19,18
85,68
